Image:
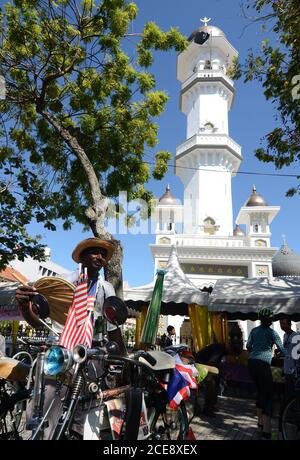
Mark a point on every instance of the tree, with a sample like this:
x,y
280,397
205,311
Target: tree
x,y
277,67
79,111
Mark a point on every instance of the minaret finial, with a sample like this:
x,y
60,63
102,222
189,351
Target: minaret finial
x,y
254,188
168,188
284,240
205,20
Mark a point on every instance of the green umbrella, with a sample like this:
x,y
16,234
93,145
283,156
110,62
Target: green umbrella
x,y
149,332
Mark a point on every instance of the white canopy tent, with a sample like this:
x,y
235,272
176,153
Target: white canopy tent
x,y
242,298
178,291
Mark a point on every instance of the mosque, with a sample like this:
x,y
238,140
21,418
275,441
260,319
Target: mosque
x,y
209,246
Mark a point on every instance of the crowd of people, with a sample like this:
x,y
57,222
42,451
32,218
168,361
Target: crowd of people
x,y
263,345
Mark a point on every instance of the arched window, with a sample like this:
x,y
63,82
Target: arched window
x,y
209,226
207,65
209,221
260,243
164,241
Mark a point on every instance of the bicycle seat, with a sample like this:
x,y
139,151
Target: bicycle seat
x,y
12,369
175,349
164,361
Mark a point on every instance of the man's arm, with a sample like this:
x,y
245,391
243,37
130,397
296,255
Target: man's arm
x,y
24,297
278,343
249,342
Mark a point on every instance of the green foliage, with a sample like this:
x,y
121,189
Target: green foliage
x,y
161,164
234,70
79,112
277,66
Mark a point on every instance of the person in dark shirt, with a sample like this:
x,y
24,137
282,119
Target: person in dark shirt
x,y
169,340
212,355
260,345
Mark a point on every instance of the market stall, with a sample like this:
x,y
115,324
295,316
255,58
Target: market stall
x,y
240,299
180,297
9,315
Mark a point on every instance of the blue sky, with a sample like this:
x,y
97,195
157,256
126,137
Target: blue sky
x,y
250,118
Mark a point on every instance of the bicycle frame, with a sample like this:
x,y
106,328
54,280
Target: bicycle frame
x,y
37,420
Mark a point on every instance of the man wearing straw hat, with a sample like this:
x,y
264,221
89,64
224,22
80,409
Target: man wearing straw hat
x,y
92,255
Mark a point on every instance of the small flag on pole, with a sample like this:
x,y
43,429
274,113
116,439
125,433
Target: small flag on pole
x,y
177,389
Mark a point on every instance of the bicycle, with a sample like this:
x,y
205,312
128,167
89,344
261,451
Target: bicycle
x,y
289,422
162,424
21,380
13,393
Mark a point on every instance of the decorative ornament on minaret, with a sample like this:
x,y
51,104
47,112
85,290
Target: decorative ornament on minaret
x,y
209,158
257,216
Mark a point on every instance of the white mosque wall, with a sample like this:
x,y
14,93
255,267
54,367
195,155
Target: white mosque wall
x,y
208,194
210,107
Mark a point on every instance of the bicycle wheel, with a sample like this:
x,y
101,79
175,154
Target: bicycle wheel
x,y
169,425
12,422
290,420
24,357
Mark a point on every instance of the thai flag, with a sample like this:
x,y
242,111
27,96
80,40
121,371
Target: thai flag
x,y
188,372
177,390
80,320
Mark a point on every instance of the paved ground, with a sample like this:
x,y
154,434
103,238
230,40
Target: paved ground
x,y
235,420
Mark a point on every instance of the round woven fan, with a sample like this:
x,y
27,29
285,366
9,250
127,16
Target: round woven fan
x,y
59,294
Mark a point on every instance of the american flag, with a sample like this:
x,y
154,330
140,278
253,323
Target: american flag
x,y
80,320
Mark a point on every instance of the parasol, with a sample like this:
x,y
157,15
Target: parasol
x,y
59,295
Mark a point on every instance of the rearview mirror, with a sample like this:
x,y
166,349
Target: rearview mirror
x,y
112,348
115,310
42,305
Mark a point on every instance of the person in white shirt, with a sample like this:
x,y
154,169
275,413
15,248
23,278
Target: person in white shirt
x,y
289,364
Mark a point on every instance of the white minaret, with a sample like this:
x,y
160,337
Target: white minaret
x,y
209,158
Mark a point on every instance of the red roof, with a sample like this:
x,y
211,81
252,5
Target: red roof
x,y
10,274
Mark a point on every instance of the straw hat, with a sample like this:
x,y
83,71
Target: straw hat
x,y
59,295
93,243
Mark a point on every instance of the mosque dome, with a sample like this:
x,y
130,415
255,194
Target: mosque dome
x,y
286,262
212,30
256,199
168,198
238,231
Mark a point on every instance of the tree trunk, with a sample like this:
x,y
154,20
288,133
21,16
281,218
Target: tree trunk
x,y
113,272
95,214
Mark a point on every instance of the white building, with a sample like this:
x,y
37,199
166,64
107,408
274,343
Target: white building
x,y
209,246
33,269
